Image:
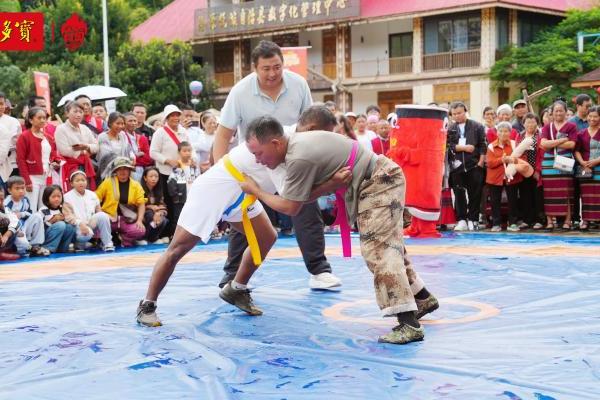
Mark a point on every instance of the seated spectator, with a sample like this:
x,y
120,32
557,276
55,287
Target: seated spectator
x,y
381,144
182,178
90,220
60,227
36,156
504,113
499,154
112,143
155,217
138,143
96,125
31,223
76,144
9,233
122,198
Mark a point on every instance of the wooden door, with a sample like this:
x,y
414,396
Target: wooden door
x,y
387,100
329,53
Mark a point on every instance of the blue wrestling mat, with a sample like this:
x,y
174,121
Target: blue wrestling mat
x,y
519,319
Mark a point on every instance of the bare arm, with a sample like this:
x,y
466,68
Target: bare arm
x,y
548,144
341,178
221,144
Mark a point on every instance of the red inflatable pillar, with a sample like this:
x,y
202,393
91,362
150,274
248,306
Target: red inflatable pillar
x,y
418,145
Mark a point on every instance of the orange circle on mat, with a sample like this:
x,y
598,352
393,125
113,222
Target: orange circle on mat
x,y
484,311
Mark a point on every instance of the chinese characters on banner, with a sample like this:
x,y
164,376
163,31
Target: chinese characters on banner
x,y
21,31
296,59
42,87
259,14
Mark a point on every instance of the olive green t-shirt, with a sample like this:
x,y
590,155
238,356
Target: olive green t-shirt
x,y
313,157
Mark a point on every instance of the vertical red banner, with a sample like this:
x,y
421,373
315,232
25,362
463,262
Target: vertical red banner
x,y
42,87
296,59
21,31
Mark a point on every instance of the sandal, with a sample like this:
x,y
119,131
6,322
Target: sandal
x,y
549,227
583,226
39,251
566,226
537,226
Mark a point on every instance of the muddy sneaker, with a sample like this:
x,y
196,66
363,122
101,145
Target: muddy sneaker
x,y
426,306
403,334
146,314
239,298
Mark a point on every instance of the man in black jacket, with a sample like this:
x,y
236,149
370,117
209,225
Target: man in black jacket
x,y
466,178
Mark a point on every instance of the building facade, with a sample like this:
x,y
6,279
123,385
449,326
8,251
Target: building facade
x,y
363,52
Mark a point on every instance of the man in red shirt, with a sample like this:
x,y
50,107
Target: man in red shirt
x,y
381,144
96,125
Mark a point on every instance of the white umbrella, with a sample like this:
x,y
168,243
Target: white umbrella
x,y
94,92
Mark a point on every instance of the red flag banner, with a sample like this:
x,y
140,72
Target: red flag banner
x,y
42,87
21,31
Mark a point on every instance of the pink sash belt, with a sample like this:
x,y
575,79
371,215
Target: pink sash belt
x,y
341,219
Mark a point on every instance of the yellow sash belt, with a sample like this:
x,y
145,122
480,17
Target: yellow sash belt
x,y
247,202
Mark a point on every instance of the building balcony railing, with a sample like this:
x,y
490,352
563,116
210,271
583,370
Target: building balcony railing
x,y
365,68
441,61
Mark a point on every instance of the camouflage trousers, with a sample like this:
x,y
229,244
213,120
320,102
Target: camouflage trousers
x,y
380,209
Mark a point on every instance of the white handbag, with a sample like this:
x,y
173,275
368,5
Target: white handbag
x,y
562,163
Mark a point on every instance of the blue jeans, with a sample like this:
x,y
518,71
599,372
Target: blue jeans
x,y
58,237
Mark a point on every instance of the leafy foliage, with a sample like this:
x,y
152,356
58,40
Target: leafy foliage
x,y
552,59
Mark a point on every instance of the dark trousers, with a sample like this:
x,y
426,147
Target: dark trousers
x,y
309,235
153,233
463,183
531,200
170,228
512,193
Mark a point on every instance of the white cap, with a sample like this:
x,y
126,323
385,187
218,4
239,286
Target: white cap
x,y
504,109
350,114
170,109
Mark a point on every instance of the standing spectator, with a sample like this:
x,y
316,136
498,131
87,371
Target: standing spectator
x,y
583,103
182,178
373,110
208,124
122,199
36,156
192,127
588,156
155,217
546,116
499,154
530,189
99,111
60,228
139,146
469,146
351,118
10,129
331,106
96,125
363,135
31,223
112,143
372,121
381,144
164,151
344,127
89,218
558,137
39,101
504,113
76,144
520,109
141,112
489,118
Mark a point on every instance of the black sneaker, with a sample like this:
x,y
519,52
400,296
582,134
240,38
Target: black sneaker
x,y
146,314
240,298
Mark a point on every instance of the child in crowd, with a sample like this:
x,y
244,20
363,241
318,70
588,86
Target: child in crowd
x,y
60,228
90,220
9,232
182,177
31,223
155,217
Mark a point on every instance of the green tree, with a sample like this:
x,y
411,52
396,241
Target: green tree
x,y
10,6
158,74
552,59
